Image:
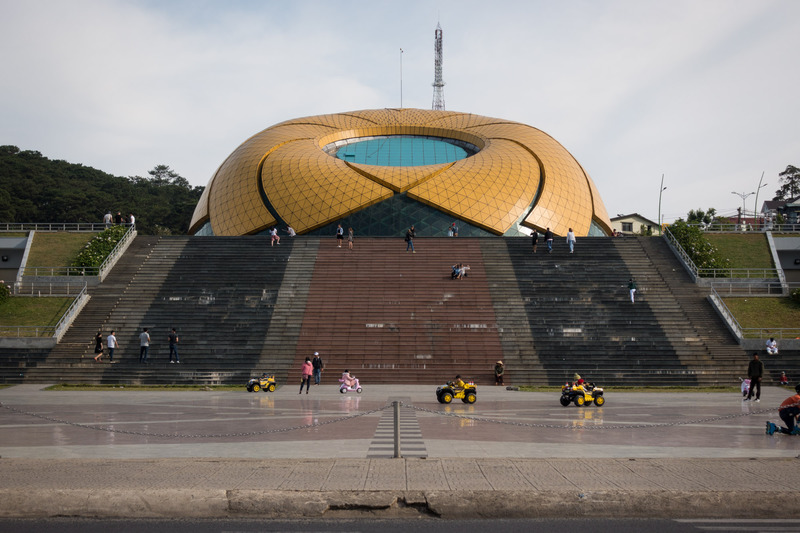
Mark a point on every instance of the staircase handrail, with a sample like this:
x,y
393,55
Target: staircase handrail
x,y
60,328
673,243
117,252
71,313
742,333
727,315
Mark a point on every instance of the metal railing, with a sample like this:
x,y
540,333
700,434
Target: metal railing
x,y
761,227
58,271
42,289
27,331
71,313
751,333
89,227
66,271
675,245
719,273
118,250
50,331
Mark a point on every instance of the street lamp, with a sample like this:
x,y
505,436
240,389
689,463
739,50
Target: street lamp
x,y
743,196
755,206
659,203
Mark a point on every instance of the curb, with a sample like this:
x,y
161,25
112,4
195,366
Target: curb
x,y
187,503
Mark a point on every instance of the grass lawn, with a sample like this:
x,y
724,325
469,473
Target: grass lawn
x,y
56,249
744,251
765,312
23,311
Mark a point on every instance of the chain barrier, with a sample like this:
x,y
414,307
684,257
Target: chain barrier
x,y
182,436
407,406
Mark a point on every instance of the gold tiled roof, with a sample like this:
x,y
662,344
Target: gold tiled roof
x,y
518,173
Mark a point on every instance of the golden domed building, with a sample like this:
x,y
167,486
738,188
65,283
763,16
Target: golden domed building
x,y
382,170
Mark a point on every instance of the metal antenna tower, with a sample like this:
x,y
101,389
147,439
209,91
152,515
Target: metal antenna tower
x,y
438,84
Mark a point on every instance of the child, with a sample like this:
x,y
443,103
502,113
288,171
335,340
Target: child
x,y
745,388
784,379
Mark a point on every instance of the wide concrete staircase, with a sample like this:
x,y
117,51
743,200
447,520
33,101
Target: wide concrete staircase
x,y
242,307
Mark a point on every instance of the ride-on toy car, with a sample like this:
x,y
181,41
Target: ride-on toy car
x,y
344,387
581,394
447,392
264,382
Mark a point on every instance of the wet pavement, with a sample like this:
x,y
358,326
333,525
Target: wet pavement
x,y
326,424
219,454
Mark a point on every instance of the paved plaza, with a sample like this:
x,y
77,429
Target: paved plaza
x,y
232,453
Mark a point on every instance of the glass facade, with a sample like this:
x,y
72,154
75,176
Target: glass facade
x,y
402,151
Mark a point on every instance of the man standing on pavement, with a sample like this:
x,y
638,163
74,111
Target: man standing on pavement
x,y
755,371
173,346
318,366
144,345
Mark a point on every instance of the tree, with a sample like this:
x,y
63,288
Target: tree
x,y
790,184
705,218
163,175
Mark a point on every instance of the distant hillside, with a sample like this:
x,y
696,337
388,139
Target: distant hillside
x,y
34,188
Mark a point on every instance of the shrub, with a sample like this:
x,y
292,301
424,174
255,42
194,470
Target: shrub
x,y
5,294
796,295
99,247
694,243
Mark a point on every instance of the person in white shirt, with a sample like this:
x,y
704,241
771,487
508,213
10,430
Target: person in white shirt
x,y
772,346
111,342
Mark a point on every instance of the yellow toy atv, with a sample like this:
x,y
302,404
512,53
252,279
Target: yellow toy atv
x,y
581,394
264,382
467,394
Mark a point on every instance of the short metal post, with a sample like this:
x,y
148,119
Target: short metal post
x,y
396,406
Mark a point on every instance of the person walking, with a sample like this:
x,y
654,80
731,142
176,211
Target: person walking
x,y
548,239
632,289
98,346
499,370
755,371
144,345
789,411
173,346
308,370
410,234
111,342
317,365
350,238
535,239
571,240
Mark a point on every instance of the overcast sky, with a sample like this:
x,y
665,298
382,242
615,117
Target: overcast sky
x,y
705,92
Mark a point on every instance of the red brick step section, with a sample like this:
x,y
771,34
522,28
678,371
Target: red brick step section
x,y
391,316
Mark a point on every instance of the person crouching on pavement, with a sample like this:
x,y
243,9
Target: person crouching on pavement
x,y
788,411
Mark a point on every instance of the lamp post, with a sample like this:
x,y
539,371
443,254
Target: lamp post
x,y
755,206
743,196
659,203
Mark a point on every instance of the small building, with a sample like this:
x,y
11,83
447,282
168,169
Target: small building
x,y
633,224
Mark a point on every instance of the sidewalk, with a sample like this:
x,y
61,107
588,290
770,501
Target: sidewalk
x,y
512,454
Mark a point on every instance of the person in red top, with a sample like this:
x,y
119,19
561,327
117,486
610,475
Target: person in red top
x,y
308,370
788,411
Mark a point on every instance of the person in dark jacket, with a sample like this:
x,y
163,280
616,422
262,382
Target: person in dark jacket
x,y
548,238
755,371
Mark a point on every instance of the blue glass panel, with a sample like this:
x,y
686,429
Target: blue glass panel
x,y
402,151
